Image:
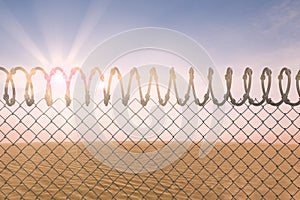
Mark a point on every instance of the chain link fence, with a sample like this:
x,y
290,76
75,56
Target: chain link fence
x,y
253,153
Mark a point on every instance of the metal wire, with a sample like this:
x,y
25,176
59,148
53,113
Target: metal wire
x,y
247,82
257,154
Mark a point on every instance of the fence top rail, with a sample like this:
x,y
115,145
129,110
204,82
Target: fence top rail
x,y
265,79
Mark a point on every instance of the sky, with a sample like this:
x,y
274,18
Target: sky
x,y
235,33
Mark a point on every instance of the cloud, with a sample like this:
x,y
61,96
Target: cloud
x,y
284,16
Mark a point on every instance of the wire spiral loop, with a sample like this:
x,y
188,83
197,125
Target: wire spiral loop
x,y
265,78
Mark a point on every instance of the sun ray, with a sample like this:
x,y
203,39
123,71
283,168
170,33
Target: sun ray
x,y
15,29
93,15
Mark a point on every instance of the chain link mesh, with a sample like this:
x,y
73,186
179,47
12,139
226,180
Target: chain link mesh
x,y
256,156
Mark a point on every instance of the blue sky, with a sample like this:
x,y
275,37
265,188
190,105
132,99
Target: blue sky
x,y
235,33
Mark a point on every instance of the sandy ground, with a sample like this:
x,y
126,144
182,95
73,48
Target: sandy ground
x,y
67,170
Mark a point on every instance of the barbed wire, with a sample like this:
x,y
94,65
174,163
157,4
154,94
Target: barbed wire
x,y
134,73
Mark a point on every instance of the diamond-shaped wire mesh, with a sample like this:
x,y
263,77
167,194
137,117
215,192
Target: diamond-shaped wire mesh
x,y
256,155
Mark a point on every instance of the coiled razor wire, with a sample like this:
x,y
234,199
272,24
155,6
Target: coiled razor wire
x,y
134,73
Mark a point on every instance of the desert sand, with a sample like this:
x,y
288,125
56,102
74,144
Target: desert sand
x,y
232,170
